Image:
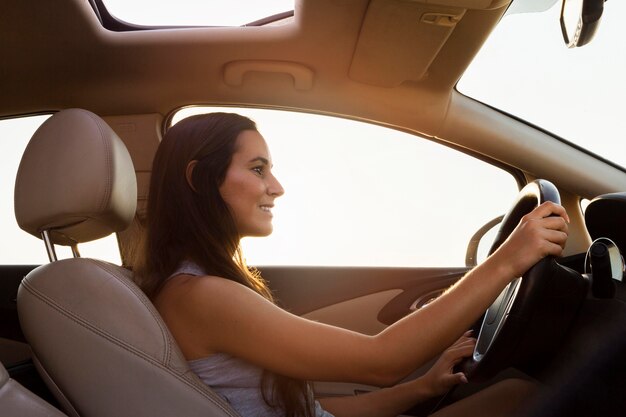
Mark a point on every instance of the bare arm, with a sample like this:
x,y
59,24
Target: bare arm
x,y
212,315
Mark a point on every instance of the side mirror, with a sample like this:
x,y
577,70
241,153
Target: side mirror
x,y
580,20
471,255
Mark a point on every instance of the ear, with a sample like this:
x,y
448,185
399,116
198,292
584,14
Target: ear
x,y
189,173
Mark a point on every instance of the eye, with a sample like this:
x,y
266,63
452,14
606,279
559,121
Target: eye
x,y
260,170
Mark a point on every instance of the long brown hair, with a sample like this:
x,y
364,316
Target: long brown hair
x,y
195,224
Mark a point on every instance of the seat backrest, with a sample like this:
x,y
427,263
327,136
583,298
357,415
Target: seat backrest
x,y
98,341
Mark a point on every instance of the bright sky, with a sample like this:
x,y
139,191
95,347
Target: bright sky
x,y
196,12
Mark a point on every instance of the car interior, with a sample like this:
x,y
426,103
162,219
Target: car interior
x,y
79,338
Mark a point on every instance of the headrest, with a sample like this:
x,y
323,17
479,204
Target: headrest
x,y
604,217
76,179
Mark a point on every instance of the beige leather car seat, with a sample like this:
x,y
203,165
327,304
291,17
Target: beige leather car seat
x,y
17,401
97,340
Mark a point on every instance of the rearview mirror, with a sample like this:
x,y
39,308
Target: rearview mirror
x,y
580,20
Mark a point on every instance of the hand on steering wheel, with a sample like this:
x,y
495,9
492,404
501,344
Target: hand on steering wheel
x,y
540,233
532,313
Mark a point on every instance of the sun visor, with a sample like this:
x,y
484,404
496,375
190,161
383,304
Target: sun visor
x,y
400,39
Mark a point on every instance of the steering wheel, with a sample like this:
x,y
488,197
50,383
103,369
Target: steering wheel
x,y
529,318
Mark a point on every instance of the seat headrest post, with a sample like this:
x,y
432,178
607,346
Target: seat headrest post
x,y
52,255
75,251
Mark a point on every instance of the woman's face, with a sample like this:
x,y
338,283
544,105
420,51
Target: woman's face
x,y
249,188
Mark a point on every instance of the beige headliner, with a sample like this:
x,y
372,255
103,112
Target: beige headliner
x,y
393,62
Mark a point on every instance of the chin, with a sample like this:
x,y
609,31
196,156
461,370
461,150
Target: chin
x,y
260,232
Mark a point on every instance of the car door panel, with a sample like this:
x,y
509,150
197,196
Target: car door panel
x,y
303,290
359,314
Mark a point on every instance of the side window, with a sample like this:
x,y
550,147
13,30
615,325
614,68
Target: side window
x,y
16,246
358,194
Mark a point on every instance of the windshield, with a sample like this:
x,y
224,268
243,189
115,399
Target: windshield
x,y
526,70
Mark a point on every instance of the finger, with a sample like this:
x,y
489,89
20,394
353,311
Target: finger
x,y
454,379
553,249
552,229
470,341
549,208
460,352
462,341
545,240
556,237
460,358
466,335
466,351
554,223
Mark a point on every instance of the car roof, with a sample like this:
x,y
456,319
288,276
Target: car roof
x,y
59,55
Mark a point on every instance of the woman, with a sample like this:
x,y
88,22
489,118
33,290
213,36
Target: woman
x,y
211,185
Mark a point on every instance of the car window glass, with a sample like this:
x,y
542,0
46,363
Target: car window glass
x,y
16,246
196,13
358,194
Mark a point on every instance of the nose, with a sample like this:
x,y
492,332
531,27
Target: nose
x,y
274,188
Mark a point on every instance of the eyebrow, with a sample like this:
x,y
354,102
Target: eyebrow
x,y
264,161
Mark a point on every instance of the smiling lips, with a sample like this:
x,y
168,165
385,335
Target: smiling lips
x,y
267,208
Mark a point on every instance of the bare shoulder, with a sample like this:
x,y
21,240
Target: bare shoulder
x,y
204,297
199,309
190,290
